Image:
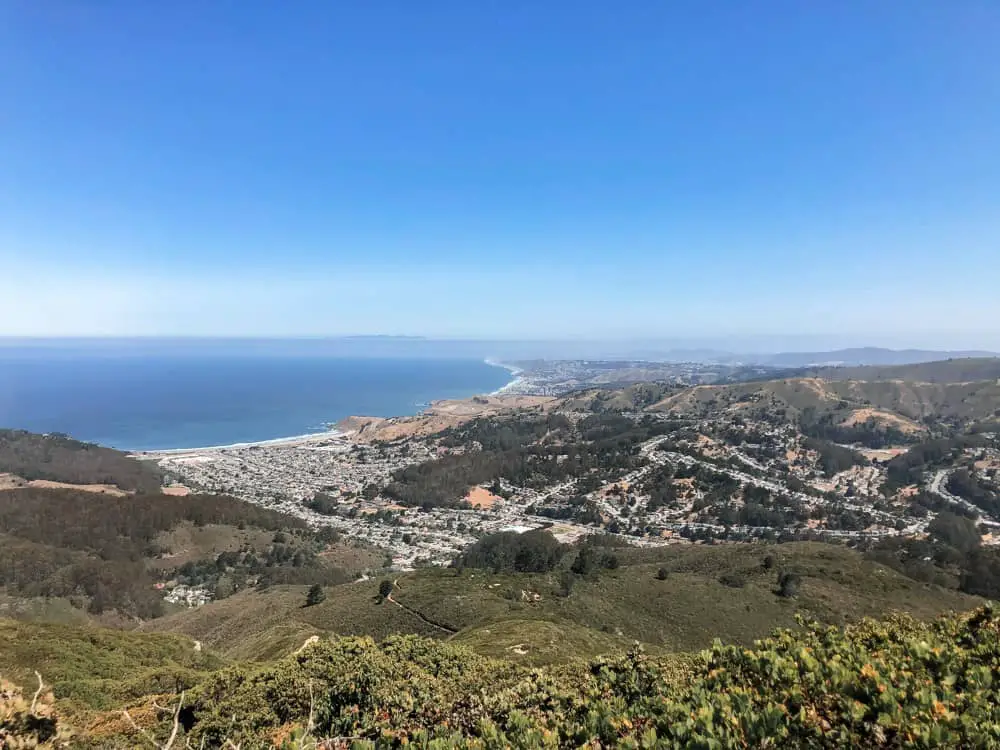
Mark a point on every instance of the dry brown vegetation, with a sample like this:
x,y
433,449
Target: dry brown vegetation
x,y
903,424
440,416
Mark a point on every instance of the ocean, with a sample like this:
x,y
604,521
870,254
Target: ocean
x,y
158,401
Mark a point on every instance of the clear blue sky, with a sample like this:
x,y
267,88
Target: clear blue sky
x,y
515,169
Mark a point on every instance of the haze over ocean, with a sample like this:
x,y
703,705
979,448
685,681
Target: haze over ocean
x,y
187,399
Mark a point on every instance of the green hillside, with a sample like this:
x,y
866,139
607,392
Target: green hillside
x,y
98,668
406,666
61,459
528,618
880,684
788,399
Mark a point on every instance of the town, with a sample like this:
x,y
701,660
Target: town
x,y
680,478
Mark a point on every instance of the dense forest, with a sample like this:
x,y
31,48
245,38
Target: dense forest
x,y
870,433
121,527
977,491
909,468
833,458
526,452
510,552
94,549
61,459
951,555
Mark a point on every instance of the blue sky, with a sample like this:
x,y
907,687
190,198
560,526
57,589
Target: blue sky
x,y
558,169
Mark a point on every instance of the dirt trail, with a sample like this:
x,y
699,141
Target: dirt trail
x,y
420,615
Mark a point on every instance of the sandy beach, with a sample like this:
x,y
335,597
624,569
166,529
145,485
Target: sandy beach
x,y
296,441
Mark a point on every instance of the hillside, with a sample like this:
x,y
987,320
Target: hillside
x,y
789,398
58,458
633,397
110,556
880,684
963,389
421,642
99,668
866,356
955,370
531,618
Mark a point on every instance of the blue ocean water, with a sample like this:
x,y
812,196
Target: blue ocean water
x,y
153,401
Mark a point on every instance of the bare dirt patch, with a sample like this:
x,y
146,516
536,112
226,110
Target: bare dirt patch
x,y
880,454
480,497
176,490
99,489
818,387
11,482
439,416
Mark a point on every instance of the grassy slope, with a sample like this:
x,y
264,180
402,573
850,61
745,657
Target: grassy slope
x,y
604,613
91,667
967,401
262,625
187,542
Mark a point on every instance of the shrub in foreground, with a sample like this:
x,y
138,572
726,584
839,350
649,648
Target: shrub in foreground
x,y
893,683
29,721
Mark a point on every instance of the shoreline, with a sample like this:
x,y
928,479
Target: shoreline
x,y
291,440
516,372
331,434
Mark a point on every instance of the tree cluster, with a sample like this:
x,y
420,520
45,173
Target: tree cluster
x,y
909,468
509,551
59,458
94,549
833,458
598,449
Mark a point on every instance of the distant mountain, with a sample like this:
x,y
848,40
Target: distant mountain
x,y
957,370
495,349
864,356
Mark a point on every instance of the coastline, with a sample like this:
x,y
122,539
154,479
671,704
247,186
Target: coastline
x,y
321,437
516,372
290,441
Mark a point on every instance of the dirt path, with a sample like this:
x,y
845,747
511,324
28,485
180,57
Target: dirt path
x,y
419,615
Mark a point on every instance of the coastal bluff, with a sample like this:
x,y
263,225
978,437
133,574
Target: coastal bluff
x,y
440,415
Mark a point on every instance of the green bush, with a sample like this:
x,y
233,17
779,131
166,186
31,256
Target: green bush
x,y
315,595
895,683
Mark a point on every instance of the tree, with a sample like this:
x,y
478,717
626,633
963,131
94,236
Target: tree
x,y
768,563
224,588
955,531
662,574
385,589
584,562
788,584
315,595
566,581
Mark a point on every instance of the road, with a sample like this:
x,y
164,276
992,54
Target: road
x,y
938,485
